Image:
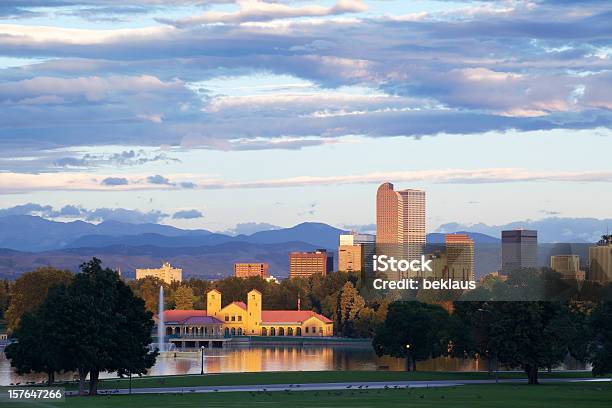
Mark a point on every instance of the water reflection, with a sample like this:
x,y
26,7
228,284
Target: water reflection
x,y
276,358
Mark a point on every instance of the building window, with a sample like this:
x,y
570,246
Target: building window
x,y
233,318
239,318
306,329
226,318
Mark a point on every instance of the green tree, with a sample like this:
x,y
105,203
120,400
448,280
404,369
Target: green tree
x,y
530,335
41,346
413,330
30,290
148,289
183,298
110,327
600,347
94,324
4,298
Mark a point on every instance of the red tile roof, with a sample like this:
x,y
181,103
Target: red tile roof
x,y
290,316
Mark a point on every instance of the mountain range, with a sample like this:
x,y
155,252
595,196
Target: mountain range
x,y
27,242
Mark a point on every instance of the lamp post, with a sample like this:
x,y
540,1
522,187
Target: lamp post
x,y
409,357
202,364
494,355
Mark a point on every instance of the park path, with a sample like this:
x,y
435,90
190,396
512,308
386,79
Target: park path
x,y
365,385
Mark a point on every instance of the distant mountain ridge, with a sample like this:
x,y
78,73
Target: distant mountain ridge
x,y
36,234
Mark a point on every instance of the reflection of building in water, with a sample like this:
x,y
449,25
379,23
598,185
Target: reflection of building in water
x,y
355,252
400,222
519,250
567,265
460,256
600,260
215,325
166,273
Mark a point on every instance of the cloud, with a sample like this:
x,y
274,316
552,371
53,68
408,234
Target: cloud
x,y
115,181
124,215
549,229
25,209
249,228
187,214
157,179
19,182
362,228
79,212
439,73
257,10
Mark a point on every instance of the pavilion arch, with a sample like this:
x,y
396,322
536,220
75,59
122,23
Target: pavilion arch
x,y
273,331
298,331
290,331
264,331
281,331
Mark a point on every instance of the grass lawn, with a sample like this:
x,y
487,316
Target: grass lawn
x,y
298,377
468,396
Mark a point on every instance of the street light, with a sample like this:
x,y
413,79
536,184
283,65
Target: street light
x,y
202,366
490,314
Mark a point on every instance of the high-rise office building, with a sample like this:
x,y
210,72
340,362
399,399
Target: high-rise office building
x,y
355,252
305,264
519,250
245,270
400,222
600,260
460,256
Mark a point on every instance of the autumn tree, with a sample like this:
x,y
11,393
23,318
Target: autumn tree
x,y
350,303
30,290
183,298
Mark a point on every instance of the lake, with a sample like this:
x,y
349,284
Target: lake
x,y
275,358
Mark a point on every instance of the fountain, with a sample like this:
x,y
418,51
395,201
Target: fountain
x,y
161,328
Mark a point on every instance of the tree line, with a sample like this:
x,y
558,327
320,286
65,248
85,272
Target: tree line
x,y
94,321
530,335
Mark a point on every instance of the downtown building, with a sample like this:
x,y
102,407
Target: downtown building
x,y
600,260
460,257
519,250
246,270
568,266
400,222
355,252
305,264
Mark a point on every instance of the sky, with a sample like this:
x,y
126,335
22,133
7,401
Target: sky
x,y
241,115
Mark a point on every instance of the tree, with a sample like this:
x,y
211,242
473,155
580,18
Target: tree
x,y
4,297
148,289
530,335
40,346
350,303
110,327
183,298
600,347
30,290
94,324
413,330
